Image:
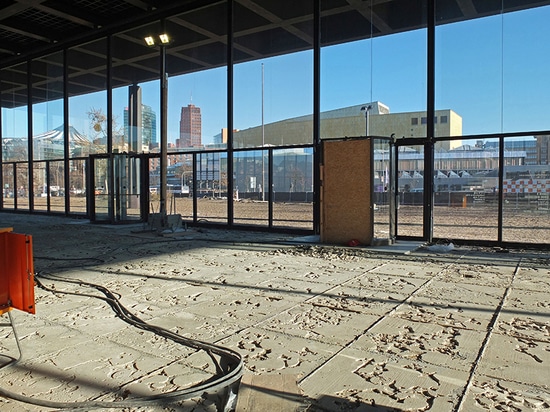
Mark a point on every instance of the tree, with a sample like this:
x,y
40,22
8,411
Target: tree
x,y
98,120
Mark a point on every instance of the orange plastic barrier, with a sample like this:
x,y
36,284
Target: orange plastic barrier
x,y
16,272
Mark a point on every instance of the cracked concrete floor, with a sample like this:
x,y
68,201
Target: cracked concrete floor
x,y
358,329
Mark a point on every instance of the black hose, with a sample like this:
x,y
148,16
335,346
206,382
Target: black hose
x,y
229,368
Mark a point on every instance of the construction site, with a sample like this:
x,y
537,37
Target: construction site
x,y
216,320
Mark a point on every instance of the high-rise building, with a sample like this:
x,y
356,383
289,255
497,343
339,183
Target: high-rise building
x,y
147,133
190,127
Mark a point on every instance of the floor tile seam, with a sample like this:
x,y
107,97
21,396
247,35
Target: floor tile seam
x,y
382,317
257,324
93,339
119,386
485,344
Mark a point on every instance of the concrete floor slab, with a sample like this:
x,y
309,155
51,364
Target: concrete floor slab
x,y
448,346
516,359
267,351
360,329
354,380
490,394
438,311
322,321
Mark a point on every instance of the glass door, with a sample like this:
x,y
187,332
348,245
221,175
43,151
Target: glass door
x,y
117,188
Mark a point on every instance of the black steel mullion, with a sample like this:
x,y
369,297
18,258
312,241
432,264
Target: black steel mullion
x,y
500,188
66,131
110,117
48,188
15,195
230,165
269,187
30,151
429,146
195,214
317,154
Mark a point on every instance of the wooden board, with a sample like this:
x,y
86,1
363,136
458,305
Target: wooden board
x,y
346,193
273,393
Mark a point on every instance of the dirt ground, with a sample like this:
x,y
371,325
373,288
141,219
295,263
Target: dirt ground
x,y
522,223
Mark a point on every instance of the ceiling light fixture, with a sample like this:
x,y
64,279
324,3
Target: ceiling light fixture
x,y
162,39
149,40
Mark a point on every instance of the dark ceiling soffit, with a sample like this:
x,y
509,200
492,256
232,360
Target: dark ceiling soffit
x,y
121,25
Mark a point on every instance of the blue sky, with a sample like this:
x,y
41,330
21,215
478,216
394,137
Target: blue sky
x,y
492,71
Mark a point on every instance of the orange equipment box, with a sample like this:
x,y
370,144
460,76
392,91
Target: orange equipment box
x,y
16,272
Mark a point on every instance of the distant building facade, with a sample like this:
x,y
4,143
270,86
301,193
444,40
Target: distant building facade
x,y
190,127
352,122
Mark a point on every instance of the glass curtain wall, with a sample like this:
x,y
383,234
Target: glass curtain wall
x,y
48,134
197,112
136,120
88,126
526,99
466,191
15,178
292,188
483,80
273,99
410,189
376,87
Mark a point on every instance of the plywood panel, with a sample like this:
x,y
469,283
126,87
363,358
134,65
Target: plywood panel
x,y
346,194
273,393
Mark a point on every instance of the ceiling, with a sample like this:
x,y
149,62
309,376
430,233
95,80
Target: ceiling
x,y
39,29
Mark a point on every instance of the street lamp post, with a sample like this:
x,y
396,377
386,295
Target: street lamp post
x,y
163,40
367,110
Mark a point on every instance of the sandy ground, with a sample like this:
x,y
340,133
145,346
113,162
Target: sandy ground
x,y
400,328
522,222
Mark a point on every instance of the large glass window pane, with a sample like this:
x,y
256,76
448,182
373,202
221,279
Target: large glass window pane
x,y
48,126
40,180
250,170
14,142
47,110
22,193
179,185
8,191
103,204
292,189
57,191
526,190
273,80
87,98
468,68
211,187
376,85
466,191
13,89
77,178
410,187
136,91
381,188
525,85
87,114
196,66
